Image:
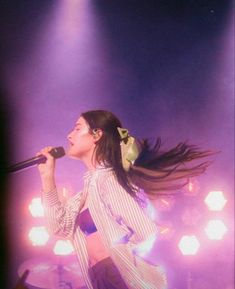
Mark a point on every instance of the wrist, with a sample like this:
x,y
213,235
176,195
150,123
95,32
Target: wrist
x,y
47,176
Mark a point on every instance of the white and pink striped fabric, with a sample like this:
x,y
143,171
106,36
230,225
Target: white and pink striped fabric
x,y
120,221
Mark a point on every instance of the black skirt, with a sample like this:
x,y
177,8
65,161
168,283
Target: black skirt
x,y
105,275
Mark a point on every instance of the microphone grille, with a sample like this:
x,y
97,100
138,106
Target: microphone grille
x,y
57,152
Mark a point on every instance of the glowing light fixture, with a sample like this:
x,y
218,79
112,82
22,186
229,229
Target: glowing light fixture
x,y
189,245
215,229
192,188
36,208
215,201
164,203
38,236
63,247
165,231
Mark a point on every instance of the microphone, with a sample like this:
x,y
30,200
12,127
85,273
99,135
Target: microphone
x,y
57,152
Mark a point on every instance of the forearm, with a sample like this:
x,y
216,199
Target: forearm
x,y
53,208
59,221
48,182
60,217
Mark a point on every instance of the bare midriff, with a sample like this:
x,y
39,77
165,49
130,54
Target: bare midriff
x,y
95,248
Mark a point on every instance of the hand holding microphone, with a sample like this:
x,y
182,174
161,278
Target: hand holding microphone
x,y
47,156
47,167
45,160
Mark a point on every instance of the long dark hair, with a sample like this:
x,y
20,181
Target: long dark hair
x,y
155,171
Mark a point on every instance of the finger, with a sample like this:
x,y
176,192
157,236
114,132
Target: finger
x,y
24,276
45,151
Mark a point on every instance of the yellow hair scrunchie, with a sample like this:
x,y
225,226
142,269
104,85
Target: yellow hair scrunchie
x,y
129,148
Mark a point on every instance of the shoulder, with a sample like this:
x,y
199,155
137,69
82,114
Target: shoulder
x,y
108,178
105,175
112,189
101,177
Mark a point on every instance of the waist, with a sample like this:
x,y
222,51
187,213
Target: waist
x,y
106,262
95,249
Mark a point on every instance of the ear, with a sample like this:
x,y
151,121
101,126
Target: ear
x,y
97,134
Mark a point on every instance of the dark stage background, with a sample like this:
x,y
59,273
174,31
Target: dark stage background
x,y
165,67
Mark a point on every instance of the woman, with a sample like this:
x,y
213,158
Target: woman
x,y
106,221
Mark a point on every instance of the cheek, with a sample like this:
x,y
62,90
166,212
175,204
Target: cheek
x,y
82,144
84,131
82,137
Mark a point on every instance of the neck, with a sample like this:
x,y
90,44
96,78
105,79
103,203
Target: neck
x,y
89,161
89,165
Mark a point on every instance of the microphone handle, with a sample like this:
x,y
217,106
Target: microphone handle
x,y
56,152
26,164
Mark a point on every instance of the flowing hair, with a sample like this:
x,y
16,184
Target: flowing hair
x,y
155,171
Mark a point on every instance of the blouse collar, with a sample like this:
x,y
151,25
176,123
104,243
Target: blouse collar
x,y
98,169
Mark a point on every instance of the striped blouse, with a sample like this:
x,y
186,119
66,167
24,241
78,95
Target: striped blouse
x,y
120,221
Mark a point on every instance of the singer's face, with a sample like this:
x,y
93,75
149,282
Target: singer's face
x,y
81,140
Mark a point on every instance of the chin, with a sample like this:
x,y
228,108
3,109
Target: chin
x,y
72,154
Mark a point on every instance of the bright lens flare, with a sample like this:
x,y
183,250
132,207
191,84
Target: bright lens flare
x,y
36,208
151,211
215,229
63,247
145,247
189,245
38,236
215,201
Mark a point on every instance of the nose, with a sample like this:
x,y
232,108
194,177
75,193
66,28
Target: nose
x,y
69,136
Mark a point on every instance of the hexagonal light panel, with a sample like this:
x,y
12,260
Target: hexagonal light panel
x,y
38,236
215,229
63,248
36,208
215,201
189,245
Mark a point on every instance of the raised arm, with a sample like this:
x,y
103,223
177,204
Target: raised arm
x,y
60,218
